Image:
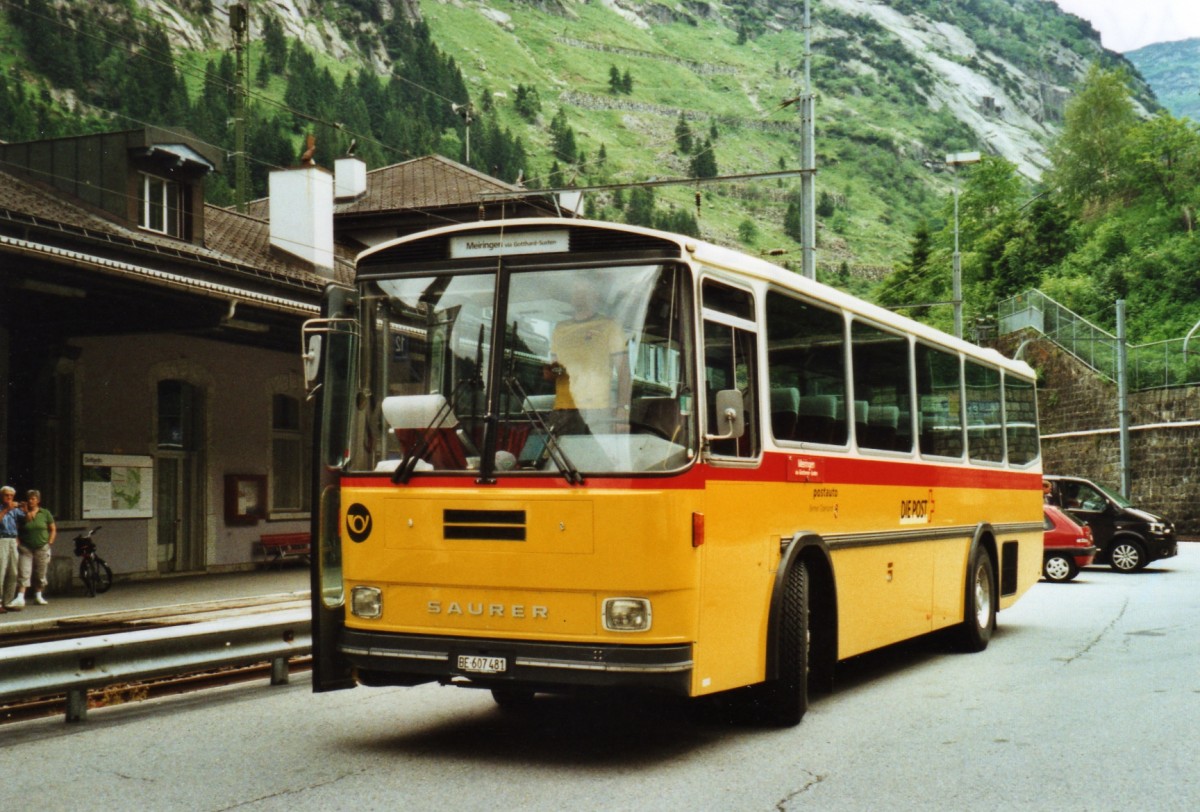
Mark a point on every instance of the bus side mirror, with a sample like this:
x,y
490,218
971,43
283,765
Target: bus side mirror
x,y
730,415
312,361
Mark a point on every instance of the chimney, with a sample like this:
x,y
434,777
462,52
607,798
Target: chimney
x,y
350,179
301,212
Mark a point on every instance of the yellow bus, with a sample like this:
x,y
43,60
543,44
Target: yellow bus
x,y
558,455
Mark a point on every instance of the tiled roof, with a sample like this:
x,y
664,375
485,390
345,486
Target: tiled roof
x,y
423,183
429,182
231,239
242,235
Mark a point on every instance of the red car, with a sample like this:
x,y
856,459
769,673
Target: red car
x,y
1068,545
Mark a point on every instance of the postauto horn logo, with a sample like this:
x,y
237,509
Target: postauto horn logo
x,y
358,522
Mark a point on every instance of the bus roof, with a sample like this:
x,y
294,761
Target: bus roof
x,y
734,261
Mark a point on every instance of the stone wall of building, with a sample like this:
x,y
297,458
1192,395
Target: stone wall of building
x,y
1078,412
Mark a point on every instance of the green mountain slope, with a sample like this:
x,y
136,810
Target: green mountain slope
x,y
1172,69
614,91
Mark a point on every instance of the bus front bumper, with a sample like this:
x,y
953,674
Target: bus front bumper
x,y
409,659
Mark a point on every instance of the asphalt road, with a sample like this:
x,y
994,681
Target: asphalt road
x,y
1087,699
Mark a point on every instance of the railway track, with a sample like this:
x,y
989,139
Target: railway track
x,y
115,623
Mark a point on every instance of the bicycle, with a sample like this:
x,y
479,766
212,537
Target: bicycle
x,y
93,571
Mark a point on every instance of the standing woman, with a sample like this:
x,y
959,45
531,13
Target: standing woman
x,y
37,534
9,527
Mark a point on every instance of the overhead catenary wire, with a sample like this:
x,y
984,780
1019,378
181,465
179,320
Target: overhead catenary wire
x,y
135,47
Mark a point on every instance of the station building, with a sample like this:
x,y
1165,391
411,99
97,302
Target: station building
x,y
150,342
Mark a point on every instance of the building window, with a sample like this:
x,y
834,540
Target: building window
x,y
290,452
160,205
177,413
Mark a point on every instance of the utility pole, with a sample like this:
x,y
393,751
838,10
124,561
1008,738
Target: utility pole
x,y
466,113
808,199
955,160
239,21
1123,400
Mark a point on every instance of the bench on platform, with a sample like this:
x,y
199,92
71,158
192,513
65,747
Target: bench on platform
x,y
276,547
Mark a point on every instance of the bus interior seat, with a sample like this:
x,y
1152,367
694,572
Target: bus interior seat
x,y
818,418
882,422
785,410
412,418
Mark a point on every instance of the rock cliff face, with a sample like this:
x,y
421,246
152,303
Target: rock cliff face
x,y
344,29
1011,109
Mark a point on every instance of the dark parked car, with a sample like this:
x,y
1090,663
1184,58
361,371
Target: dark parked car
x,y
1127,538
1068,545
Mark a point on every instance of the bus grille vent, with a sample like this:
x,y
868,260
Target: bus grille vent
x,y
483,525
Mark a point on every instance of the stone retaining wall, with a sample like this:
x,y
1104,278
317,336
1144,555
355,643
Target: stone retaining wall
x,y
1164,458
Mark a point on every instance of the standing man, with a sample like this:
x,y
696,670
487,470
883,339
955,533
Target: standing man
x,y
8,548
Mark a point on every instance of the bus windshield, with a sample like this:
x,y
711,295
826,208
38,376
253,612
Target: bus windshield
x,y
592,377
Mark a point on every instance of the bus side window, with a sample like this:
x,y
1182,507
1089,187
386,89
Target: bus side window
x,y
883,396
730,362
1020,420
939,395
985,442
806,357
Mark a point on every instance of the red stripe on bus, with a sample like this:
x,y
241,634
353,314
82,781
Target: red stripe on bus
x,y
774,467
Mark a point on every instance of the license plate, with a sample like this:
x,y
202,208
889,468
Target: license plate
x,y
482,665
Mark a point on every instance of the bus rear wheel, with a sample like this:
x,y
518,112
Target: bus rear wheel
x,y
979,605
784,700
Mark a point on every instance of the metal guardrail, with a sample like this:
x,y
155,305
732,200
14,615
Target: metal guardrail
x,y
1151,366
77,665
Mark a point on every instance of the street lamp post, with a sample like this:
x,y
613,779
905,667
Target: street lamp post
x,y
956,159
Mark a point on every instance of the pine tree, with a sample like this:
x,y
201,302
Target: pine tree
x,y
683,135
704,163
527,103
640,211
614,80
792,219
275,48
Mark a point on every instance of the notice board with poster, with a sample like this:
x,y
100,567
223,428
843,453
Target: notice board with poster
x,y
118,486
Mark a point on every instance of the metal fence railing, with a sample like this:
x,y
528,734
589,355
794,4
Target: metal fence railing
x,y
1175,362
76,665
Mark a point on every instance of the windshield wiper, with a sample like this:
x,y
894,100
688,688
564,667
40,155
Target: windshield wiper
x,y
553,449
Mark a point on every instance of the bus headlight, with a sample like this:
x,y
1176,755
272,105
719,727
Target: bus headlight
x,y
366,601
627,614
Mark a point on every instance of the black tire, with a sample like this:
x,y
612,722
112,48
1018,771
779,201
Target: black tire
x,y
87,574
784,700
1059,568
103,576
979,604
1127,555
